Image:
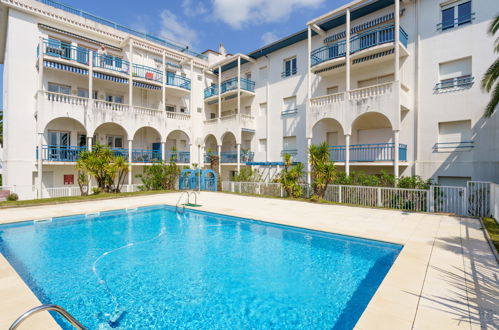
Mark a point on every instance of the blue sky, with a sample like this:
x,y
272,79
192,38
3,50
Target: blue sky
x,y
242,25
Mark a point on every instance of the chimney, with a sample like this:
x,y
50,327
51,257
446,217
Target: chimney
x,y
222,50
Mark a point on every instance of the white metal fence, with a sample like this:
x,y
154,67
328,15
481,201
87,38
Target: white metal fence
x,y
476,199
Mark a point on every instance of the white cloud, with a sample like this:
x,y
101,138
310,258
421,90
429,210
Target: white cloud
x,y
193,8
248,12
268,38
172,28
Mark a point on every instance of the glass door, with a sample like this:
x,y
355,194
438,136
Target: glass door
x,y
58,147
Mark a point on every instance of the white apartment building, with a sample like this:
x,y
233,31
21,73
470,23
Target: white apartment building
x,y
389,85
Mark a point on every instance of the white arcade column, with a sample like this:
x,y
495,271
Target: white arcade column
x,y
309,167
347,154
238,157
40,165
130,177
396,153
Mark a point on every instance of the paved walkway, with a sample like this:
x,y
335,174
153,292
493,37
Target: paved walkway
x,y
445,277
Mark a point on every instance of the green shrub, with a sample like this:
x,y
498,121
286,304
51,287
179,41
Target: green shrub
x,y
290,177
159,176
12,197
96,190
247,174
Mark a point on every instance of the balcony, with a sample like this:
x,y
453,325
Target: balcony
x,y
347,106
111,63
67,53
454,84
373,152
231,157
358,43
65,154
178,81
229,85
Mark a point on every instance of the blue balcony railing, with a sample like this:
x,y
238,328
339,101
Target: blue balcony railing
x,y
145,156
230,85
148,73
112,63
367,39
455,83
64,50
210,91
54,153
178,81
178,156
100,20
372,152
231,157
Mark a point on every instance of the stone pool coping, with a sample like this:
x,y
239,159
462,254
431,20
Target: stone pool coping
x,y
445,276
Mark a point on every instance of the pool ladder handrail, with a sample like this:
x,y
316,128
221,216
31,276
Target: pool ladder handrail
x,y
188,193
48,307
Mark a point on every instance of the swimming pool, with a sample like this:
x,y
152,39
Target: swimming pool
x,y
154,268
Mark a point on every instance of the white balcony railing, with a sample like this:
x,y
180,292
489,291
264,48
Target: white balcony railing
x,y
146,111
370,91
177,115
327,99
65,98
105,105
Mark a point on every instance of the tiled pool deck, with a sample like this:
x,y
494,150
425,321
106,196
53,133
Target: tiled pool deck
x,y
446,276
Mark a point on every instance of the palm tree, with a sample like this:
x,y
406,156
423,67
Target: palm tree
x,y
323,169
492,74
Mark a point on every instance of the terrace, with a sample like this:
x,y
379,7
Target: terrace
x,y
372,40
247,87
77,59
60,154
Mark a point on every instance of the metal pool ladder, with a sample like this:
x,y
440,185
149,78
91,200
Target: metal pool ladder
x,y
188,193
64,313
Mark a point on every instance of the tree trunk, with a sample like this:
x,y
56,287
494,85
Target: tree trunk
x,y
214,162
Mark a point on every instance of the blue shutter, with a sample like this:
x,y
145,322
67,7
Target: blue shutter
x,y
464,13
448,18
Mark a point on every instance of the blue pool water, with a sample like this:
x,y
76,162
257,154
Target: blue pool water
x,y
153,268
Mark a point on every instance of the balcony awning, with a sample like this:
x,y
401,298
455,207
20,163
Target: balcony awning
x,y
59,66
103,76
144,85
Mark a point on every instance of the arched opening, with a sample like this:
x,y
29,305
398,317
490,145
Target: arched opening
x,y
229,148
178,147
372,138
113,136
328,130
146,145
64,139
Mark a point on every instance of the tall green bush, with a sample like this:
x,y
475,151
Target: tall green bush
x,y
160,176
322,169
290,177
108,170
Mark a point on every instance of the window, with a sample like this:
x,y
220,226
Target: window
x,y
114,141
213,115
289,67
332,90
289,106
455,74
58,138
454,136
114,98
83,92
456,14
183,109
82,140
289,145
170,108
247,75
61,89
375,81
